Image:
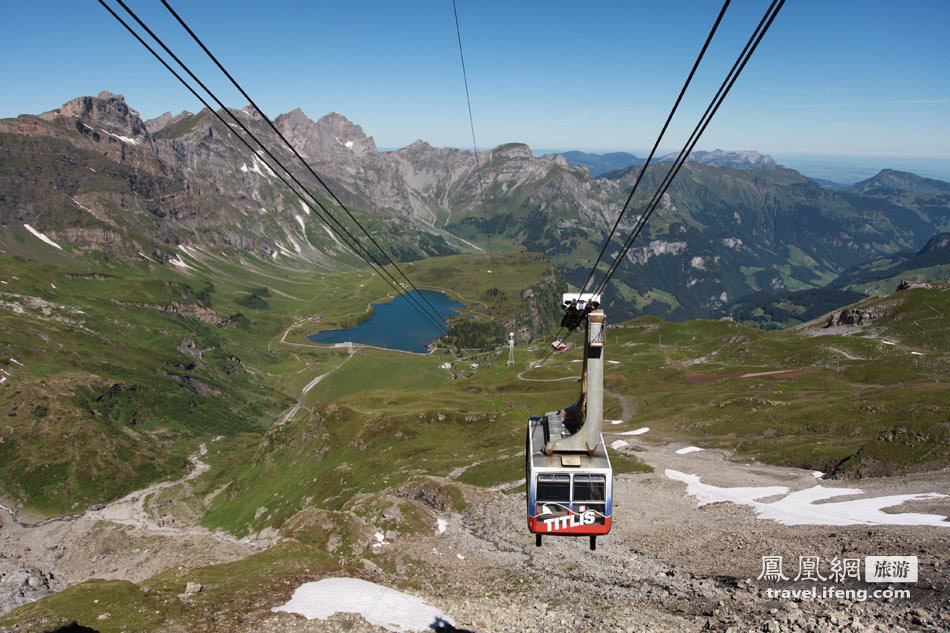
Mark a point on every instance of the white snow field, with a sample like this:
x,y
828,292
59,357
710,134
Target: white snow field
x,y
640,431
802,507
688,449
379,605
42,237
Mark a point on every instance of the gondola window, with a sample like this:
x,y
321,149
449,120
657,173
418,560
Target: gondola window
x,y
554,488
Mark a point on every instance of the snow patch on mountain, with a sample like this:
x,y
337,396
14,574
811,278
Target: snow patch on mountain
x,y
41,236
810,506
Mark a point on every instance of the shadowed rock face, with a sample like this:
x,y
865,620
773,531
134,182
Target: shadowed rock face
x,y
107,110
852,316
92,175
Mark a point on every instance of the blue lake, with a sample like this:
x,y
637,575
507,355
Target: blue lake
x,y
396,325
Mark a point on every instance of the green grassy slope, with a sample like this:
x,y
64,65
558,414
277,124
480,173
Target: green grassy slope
x,y
861,404
115,371
112,379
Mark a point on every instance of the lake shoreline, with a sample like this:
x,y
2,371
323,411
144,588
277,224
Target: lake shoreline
x,y
395,325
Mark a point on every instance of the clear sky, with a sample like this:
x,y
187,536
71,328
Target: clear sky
x,y
864,77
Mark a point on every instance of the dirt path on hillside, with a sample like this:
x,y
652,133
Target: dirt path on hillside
x,y
124,539
627,410
313,383
119,540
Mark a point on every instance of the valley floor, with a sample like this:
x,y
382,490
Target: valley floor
x,y
668,564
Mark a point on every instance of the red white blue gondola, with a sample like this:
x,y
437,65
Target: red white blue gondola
x,y
567,500
568,475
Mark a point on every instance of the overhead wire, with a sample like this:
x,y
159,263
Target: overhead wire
x,y
339,228
293,149
730,79
656,144
546,355
471,121
694,137
659,138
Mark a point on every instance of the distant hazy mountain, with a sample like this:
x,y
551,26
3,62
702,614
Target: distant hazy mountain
x,y
905,264
891,180
600,164
828,184
851,169
737,160
926,196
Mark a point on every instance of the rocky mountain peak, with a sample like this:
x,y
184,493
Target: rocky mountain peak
x,y
296,113
557,159
325,136
337,124
161,121
346,133
154,125
513,150
251,112
107,111
742,159
418,146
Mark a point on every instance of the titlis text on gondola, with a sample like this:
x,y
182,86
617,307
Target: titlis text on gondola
x,y
570,520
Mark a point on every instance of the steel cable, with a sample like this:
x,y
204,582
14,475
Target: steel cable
x,y
366,256
294,150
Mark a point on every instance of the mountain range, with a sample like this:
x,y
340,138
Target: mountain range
x,y
600,164
93,175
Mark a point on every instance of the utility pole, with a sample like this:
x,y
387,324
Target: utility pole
x,y
511,348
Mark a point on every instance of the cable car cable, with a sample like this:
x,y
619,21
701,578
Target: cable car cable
x,y
383,273
544,356
368,258
292,148
720,96
649,159
659,138
471,121
724,88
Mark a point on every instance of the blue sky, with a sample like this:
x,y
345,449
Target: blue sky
x,y
831,77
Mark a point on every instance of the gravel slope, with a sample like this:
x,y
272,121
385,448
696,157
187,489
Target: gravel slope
x,y
668,564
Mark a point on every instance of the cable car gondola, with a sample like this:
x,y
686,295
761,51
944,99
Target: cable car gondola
x,y
569,478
